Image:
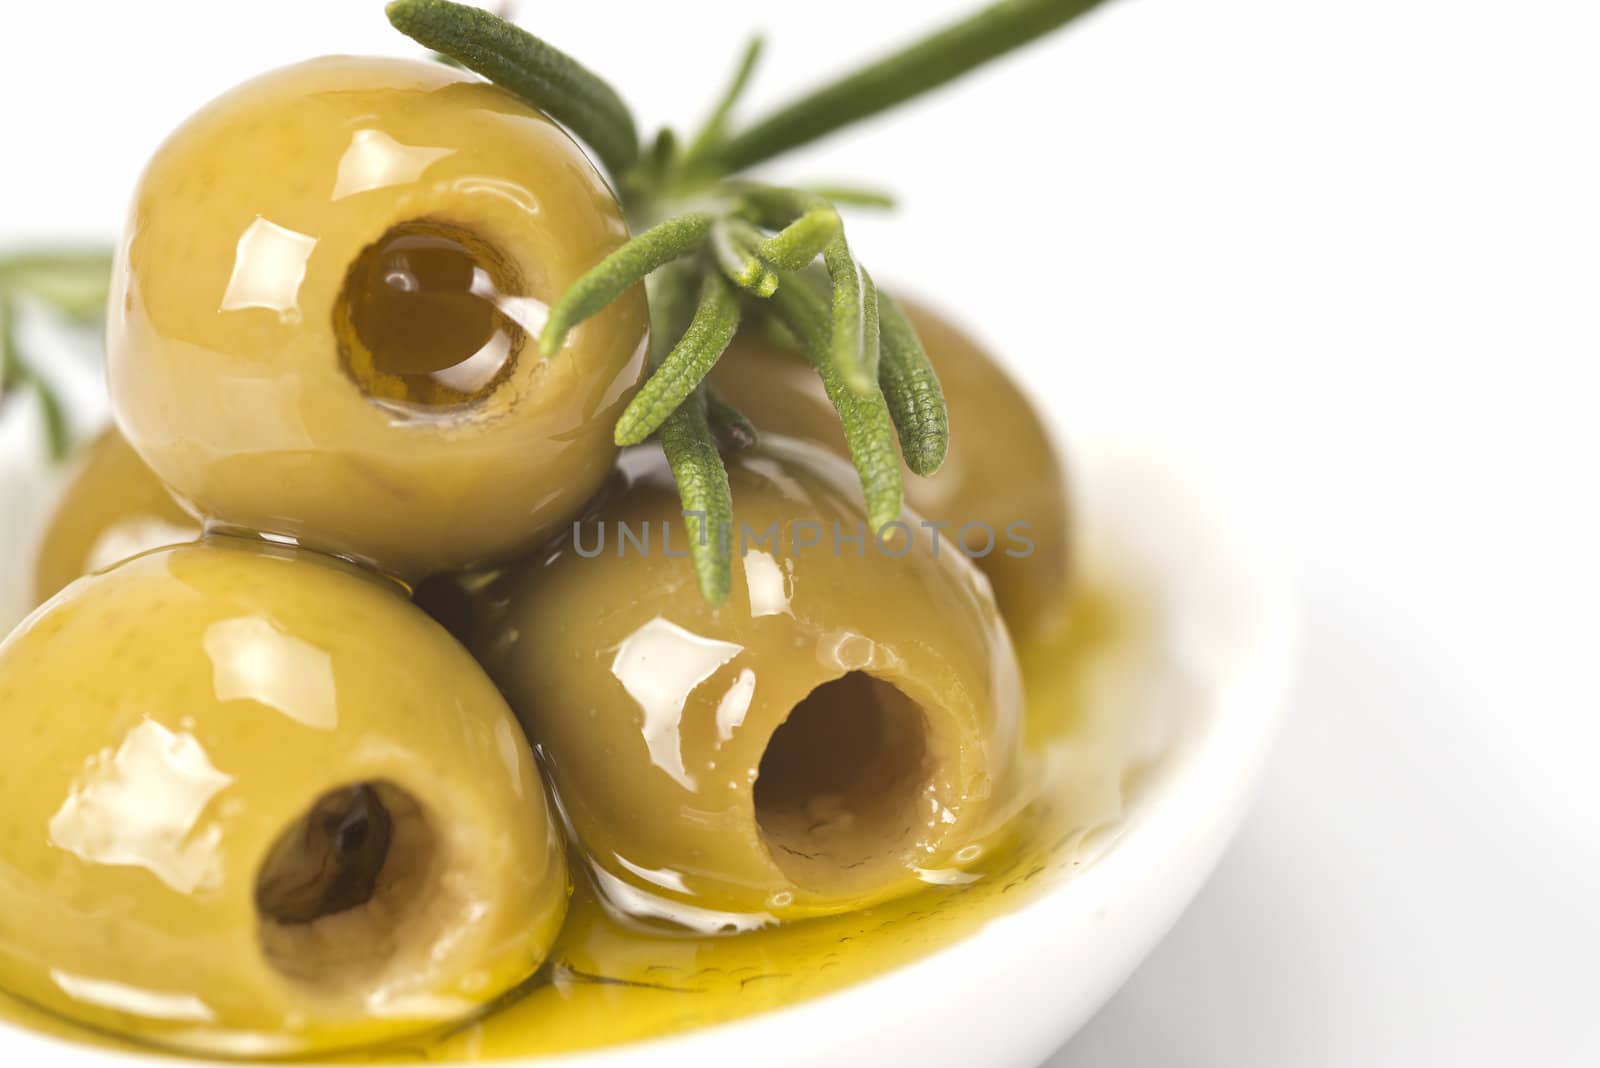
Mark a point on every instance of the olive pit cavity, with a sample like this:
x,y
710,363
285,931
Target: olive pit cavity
x,y
421,320
357,866
841,791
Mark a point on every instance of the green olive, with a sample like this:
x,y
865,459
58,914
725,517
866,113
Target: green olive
x,y
1002,471
114,507
256,803
844,727
324,316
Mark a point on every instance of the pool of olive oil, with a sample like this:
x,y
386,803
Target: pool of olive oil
x,y
612,979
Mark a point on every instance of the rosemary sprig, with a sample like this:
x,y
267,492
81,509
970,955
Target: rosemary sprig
x,y
540,74
927,64
727,242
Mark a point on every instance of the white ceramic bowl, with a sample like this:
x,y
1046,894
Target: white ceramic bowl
x,y
1214,661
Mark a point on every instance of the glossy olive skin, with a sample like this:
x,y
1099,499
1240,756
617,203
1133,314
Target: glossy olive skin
x,y
1002,467
114,507
230,372
657,714
172,720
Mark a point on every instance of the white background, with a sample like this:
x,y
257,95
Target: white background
x,y
1349,252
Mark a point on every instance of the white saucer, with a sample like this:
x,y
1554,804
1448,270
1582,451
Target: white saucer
x,y
1217,660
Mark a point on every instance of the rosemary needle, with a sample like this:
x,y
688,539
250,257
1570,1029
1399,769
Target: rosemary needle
x,y
915,69
690,447
697,467
540,74
868,427
620,271
715,321
733,429
912,390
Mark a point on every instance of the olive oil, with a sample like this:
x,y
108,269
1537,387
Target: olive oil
x,y
612,978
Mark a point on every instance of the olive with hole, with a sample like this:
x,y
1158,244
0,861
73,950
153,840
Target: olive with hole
x,y
324,317
259,804
113,507
1002,472
845,723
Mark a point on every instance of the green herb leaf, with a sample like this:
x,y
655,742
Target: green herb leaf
x,y
620,271
774,206
646,179
15,374
871,339
734,243
715,321
57,431
802,241
734,431
11,370
868,428
931,62
853,351
702,479
912,390
537,72
73,283
688,442
711,133
663,153
853,196
778,207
